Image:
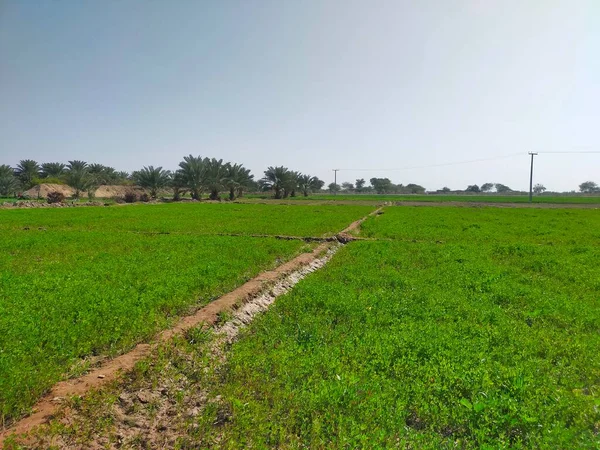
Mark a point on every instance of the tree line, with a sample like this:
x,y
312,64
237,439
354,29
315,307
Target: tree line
x,y
195,176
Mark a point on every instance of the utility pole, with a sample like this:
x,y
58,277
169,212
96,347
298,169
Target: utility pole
x,y
335,171
531,177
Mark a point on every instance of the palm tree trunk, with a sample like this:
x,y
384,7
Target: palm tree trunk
x,y
231,193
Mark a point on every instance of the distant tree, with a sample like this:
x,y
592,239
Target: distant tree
x,y
103,175
215,172
9,184
472,188
333,187
381,185
78,177
360,184
487,187
122,177
415,188
446,189
27,171
179,185
539,188
53,170
346,186
275,179
308,184
290,184
588,187
501,188
191,171
153,179
237,178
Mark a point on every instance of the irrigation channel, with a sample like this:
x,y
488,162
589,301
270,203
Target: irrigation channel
x,y
244,302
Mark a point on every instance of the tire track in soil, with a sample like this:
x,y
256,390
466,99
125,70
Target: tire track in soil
x,y
109,371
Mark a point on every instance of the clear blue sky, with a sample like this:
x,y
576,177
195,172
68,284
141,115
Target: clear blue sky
x,y
312,85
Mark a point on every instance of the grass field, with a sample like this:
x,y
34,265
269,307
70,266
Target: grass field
x,y
90,281
565,199
475,342
197,219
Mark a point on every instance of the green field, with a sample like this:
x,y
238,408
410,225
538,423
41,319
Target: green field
x,y
446,327
197,219
469,338
482,198
81,282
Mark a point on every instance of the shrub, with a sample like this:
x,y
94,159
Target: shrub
x,y
55,197
130,197
144,197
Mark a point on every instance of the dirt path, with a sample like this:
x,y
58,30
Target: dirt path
x,y
208,315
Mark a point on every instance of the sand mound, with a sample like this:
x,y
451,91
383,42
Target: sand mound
x,y
42,190
108,191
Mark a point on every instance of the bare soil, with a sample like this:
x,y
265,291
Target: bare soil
x,y
108,191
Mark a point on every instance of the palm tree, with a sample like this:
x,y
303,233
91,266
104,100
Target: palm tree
x,y
53,170
9,184
152,178
78,177
308,184
178,185
290,184
27,171
275,179
102,174
192,172
214,176
236,179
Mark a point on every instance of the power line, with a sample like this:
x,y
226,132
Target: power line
x,y
435,165
594,151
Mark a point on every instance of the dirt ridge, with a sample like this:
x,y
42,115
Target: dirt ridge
x,y
207,315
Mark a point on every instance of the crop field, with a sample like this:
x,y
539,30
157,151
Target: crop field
x,y
197,219
83,282
451,328
482,198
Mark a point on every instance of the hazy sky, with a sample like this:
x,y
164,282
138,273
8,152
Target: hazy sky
x,y
312,85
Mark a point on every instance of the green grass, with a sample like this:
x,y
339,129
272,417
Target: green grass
x,y
198,218
67,296
79,282
473,343
564,199
492,225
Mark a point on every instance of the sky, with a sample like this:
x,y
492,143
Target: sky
x,y
395,89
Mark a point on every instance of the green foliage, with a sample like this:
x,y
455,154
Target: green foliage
x,y
78,177
191,172
26,171
308,184
237,179
52,170
472,343
501,188
275,180
152,178
9,184
589,187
